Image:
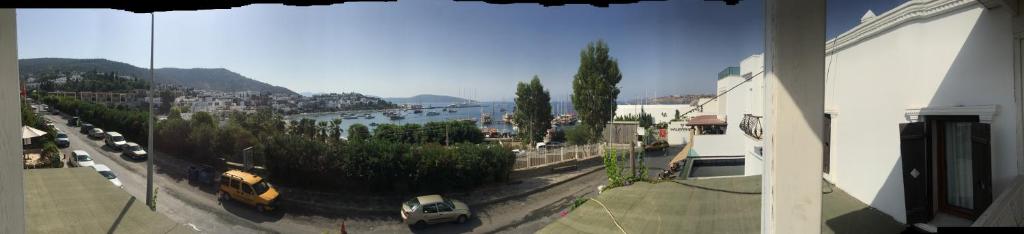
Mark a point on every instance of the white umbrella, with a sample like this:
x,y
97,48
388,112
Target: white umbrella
x,y
27,133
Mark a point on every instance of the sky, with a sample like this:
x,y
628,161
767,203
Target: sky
x,y
400,49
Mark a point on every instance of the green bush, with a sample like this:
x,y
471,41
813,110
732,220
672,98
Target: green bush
x,y
578,135
52,153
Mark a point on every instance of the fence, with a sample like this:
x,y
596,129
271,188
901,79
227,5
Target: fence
x,y
541,157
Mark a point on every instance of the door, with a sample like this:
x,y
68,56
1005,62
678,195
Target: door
x,y
916,172
827,143
965,183
445,212
430,213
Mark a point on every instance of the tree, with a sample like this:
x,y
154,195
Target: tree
x,y
358,132
594,87
677,116
533,110
166,101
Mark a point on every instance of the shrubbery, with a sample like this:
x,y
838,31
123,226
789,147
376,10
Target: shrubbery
x,y
397,158
129,122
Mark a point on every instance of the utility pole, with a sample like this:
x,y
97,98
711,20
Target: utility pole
x,y
152,86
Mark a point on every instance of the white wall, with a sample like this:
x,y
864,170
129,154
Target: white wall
x,y
959,58
716,145
678,133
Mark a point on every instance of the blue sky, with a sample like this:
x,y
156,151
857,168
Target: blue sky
x,y
468,49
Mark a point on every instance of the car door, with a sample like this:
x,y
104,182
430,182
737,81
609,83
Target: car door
x,y
248,195
445,213
430,213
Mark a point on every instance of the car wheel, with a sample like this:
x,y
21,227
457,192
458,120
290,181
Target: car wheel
x,y
224,196
420,224
461,219
261,208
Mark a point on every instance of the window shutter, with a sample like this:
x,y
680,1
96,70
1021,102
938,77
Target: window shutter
x,y
981,161
827,146
916,172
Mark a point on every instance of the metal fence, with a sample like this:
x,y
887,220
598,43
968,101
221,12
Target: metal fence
x,y
541,157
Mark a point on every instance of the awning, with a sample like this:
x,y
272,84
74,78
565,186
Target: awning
x,y
30,132
704,120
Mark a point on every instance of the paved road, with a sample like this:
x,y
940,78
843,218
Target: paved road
x,y
200,209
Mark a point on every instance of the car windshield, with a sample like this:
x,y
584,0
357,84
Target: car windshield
x,y
83,158
413,204
62,135
261,187
117,138
134,148
110,175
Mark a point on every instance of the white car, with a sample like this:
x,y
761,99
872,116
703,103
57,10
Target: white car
x,y
79,158
434,209
96,133
114,140
105,171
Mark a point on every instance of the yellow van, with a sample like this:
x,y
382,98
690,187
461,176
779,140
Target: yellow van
x,y
249,189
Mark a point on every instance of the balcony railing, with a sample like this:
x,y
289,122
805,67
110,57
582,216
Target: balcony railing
x,y
751,125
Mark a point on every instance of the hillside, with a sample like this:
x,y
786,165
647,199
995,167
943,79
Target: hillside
x,y
199,78
426,98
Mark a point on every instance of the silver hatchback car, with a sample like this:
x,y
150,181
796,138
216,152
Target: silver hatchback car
x,y
434,209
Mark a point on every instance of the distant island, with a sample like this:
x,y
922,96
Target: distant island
x,y
218,79
426,98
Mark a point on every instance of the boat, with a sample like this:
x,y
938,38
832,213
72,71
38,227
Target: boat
x,y
451,110
369,117
373,124
397,117
485,118
502,110
507,118
349,117
469,120
433,113
417,111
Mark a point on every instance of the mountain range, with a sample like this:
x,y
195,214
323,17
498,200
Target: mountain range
x,y
199,78
426,98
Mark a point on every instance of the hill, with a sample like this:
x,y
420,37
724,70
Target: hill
x,y
200,78
426,98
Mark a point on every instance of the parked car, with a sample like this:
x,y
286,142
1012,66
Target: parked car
x,y
105,171
73,121
96,133
79,158
430,209
85,128
114,140
248,188
134,151
62,140
549,145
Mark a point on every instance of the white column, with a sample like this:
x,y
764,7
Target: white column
x,y
12,191
794,108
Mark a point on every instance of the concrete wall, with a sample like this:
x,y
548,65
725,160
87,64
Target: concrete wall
x,y
12,195
963,57
678,133
717,145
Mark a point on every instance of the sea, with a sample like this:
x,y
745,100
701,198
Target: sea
x,y
492,108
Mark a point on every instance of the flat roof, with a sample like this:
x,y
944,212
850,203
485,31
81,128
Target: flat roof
x,y
718,205
79,200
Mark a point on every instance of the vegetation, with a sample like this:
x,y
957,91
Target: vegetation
x,y
52,155
645,119
91,81
129,122
358,132
533,111
305,154
444,133
578,135
612,169
594,87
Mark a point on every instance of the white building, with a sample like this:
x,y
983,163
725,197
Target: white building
x,y
921,116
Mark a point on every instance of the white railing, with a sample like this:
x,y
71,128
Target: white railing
x,y
542,157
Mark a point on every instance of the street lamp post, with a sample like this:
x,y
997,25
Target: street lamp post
x,y
152,86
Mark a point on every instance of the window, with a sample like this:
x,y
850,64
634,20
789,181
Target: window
x,y
432,208
246,189
445,206
826,143
225,181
